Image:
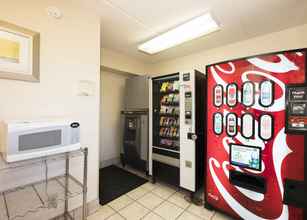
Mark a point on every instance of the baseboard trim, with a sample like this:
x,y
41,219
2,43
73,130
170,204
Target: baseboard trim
x,y
109,162
92,207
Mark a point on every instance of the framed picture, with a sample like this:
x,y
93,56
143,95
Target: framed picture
x,y
248,94
218,95
231,124
247,125
19,53
217,123
266,97
266,127
232,95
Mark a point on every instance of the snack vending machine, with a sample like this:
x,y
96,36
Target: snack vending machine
x,y
177,104
256,137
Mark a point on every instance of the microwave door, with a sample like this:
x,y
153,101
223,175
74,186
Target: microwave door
x,y
37,139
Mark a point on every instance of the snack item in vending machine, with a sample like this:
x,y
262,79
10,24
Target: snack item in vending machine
x,y
173,122
176,86
176,98
163,109
167,133
161,121
164,87
164,99
170,98
175,132
176,111
167,110
161,131
170,87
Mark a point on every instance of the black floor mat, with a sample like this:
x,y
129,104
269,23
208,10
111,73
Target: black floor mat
x,y
114,182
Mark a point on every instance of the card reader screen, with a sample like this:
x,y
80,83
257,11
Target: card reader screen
x,y
245,156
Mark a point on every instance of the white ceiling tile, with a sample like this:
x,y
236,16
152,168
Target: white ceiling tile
x,y
161,15
126,23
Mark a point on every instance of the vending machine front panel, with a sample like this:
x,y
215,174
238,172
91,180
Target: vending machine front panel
x,y
254,91
187,129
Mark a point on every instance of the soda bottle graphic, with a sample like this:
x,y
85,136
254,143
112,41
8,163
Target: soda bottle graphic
x,y
247,94
232,95
266,93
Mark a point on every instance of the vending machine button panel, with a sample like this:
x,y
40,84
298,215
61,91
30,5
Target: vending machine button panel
x,y
188,107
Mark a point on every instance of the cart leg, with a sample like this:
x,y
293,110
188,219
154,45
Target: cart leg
x,y
84,207
66,186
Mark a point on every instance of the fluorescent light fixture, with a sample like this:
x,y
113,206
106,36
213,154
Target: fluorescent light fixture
x,y
190,30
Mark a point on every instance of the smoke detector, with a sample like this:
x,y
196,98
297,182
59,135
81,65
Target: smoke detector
x,y
54,12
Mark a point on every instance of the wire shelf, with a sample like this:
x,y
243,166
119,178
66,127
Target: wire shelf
x,y
26,202
5,166
45,199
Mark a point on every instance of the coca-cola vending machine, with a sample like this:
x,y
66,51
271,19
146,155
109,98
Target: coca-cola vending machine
x,y
256,137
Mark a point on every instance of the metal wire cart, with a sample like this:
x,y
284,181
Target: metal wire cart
x,y
49,198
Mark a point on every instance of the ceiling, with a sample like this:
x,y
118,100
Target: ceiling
x,y
127,23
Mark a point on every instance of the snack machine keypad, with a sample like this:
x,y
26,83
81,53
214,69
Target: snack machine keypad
x,y
188,107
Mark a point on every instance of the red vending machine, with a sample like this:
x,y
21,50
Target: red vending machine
x,y
256,137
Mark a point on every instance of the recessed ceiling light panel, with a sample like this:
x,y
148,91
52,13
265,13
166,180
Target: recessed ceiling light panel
x,y
190,30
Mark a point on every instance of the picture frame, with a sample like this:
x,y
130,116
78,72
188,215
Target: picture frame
x,y
19,53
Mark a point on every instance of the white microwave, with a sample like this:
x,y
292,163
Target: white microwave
x,y
29,139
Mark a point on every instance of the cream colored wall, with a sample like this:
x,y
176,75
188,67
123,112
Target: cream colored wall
x,y
284,40
118,61
70,51
113,102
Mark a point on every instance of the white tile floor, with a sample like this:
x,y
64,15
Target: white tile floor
x,y
154,202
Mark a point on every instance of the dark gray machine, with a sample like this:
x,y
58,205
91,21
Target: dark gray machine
x,y
135,122
137,93
135,143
